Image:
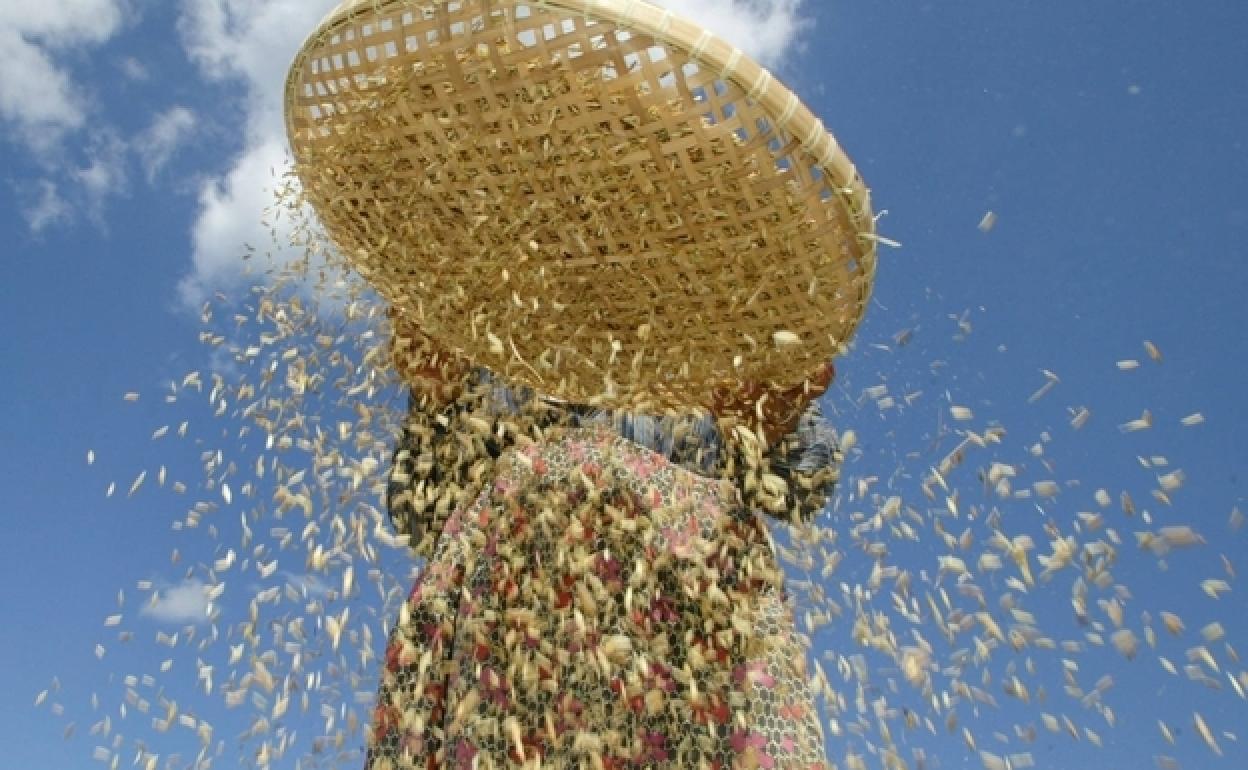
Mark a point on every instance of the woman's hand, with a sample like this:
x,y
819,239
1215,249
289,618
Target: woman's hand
x,y
430,370
770,410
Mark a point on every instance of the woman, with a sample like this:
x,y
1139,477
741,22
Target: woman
x,y
600,590
607,202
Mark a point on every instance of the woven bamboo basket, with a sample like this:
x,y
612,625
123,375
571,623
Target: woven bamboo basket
x,y
597,198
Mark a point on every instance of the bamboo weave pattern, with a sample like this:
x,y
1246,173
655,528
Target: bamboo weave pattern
x,y
604,202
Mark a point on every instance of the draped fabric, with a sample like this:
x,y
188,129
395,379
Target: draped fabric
x,y
595,596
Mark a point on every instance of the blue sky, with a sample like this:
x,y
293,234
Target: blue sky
x,y
137,138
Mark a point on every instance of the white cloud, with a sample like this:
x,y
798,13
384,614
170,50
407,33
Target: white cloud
x,y
65,20
38,97
764,29
134,69
231,221
48,209
104,174
35,96
250,43
186,602
57,116
168,132
71,188
247,43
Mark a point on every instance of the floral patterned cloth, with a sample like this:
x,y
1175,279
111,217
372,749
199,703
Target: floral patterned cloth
x,y
597,606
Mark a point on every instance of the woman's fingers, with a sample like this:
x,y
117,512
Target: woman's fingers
x,y
773,409
817,383
426,366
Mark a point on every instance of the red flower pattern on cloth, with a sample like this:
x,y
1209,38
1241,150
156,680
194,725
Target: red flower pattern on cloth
x,y
566,616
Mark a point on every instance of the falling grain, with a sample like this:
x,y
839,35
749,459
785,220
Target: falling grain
x,y
1080,418
1166,732
1050,381
1172,623
1126,642
1206,734
992,761
786,339
1046,489
1143,422
138,482
1213,632
1215,587
960,412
